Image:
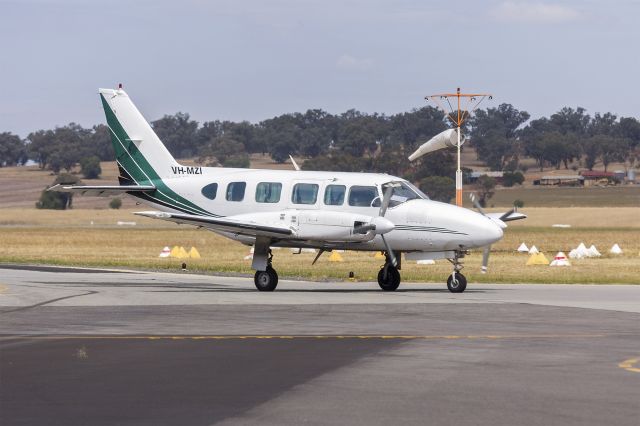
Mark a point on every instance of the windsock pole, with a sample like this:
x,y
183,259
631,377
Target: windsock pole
x,y
459,176
472,101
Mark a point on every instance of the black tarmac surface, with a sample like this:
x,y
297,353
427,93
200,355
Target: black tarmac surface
x,y
70,356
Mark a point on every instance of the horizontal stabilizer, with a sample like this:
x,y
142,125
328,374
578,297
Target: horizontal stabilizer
x,y
101,190
227,224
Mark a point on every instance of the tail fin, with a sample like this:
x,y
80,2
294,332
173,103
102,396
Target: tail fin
x,y
142,158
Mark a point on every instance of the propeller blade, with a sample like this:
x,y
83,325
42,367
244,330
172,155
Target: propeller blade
x,y
385,200
392,256
485,258
507,214
476,203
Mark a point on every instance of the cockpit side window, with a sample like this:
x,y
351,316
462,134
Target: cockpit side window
x,y
403,192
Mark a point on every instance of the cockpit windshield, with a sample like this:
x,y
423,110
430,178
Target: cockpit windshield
x,y
403,192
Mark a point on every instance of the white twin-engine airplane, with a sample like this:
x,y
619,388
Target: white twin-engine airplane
x,y
298,209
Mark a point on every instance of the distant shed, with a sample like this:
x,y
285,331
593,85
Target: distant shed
x,y
562,180
593,177
473,176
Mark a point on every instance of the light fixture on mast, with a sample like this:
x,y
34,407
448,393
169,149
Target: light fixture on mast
x,y
466,103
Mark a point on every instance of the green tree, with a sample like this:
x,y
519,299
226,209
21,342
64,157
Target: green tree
x,y
282,136
12,150
512,178
100,143
224,151
485,188
90,167
58,200
438,188
591,148
495,133
613,149
115,203
178,133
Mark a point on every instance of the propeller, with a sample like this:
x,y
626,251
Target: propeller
x,y
383,209
487,250
381,225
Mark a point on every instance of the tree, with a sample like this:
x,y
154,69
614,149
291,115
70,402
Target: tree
x,y
178,133
101,145
58,200
495,133
612,149
115,203
360,134
12,150
90,167
219,150
282,136
512,178
438,188
591,150
39,146
485,187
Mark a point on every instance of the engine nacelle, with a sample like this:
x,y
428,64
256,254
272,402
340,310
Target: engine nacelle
x,y
331,226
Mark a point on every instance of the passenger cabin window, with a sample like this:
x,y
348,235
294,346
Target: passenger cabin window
x,y
210,191
403,192
235,191
304,193
334,195
362,196
268,192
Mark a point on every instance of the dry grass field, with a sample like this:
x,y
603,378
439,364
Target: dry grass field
x,y
92,238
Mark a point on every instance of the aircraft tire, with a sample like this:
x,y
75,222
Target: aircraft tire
x,y
266,280
393,279
457,286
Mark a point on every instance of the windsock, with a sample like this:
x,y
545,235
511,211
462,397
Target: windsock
x,y
446,139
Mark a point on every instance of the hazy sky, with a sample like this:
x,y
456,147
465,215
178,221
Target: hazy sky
x,y
254,59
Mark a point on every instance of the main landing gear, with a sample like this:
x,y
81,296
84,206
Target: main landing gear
x,y
389,276
457,283
266,280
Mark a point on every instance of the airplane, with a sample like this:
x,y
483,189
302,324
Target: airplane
x,y
292,208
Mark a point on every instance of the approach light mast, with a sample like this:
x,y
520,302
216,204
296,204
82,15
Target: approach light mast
x,y
465,105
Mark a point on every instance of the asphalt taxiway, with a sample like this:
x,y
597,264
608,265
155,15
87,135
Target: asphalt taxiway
x,y
107,347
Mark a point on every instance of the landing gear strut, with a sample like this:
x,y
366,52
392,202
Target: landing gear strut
x,y
389,276
266,280
457,283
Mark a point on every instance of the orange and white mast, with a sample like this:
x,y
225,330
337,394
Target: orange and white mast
x,y
466,104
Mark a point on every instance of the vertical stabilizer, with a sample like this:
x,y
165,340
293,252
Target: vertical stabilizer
x,y
140,154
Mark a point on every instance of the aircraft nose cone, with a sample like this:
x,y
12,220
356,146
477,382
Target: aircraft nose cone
x,y
489,232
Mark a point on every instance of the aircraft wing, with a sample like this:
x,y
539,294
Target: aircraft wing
x,y
250,228
101,190
508,216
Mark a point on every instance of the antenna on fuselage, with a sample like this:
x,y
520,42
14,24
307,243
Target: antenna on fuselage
x,y
295,165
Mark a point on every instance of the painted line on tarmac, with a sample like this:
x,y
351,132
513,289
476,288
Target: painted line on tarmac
x,y
3,288
632,364
302,336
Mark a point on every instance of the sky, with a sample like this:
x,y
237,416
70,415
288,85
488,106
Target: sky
x,y
255,59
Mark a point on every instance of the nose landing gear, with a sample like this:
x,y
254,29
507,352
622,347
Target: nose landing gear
x,y
389,276
457,283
